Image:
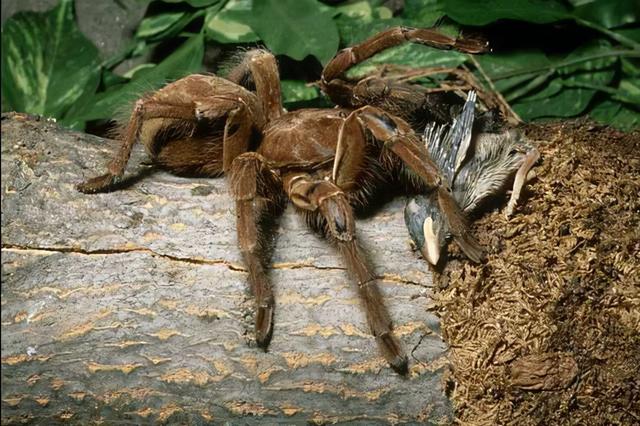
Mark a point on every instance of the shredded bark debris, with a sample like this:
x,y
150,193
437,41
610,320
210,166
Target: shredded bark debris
x,y
547,331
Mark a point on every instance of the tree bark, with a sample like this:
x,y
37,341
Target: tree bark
x,y
132,305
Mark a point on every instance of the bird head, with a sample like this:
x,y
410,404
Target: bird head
x,y
426,227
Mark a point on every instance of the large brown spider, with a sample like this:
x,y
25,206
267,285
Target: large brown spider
x,y
326,161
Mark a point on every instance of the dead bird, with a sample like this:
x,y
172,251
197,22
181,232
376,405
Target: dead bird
x,y
476,165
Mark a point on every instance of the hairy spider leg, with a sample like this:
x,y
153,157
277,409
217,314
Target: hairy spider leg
x,y
326,202
258,195
398,137
341,91
238,126
144,109
183,106
262,68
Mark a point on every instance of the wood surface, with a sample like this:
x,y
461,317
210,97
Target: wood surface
x,y
132,306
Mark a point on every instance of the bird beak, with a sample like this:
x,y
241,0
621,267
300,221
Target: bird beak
x,y
431,248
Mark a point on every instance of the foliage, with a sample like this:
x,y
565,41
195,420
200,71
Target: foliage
x,y
50,68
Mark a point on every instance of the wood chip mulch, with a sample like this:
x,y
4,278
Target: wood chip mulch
x,y
547,331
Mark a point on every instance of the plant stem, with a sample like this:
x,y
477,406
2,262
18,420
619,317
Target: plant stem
x,y
615,36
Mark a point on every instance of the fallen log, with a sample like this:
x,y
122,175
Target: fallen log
x,y
132,305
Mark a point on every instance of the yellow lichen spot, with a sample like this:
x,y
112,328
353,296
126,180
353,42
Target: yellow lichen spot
x,y
184,375
352,330
420,368
33,379
409,328
127,394
303,263
57,384
42,401
165,334
264,375
144,412
244,408
315,329
290,410
230,346
77,331
293,298
299,359
206,416
342,391
18,359
167,411
168,303
126,344
151,236
178,226
65,415
13,401
40,316
156,361
129,245
78,396
85,327
369,366
394,278
222,367
94,367
374,394
206,313
20,316
250,363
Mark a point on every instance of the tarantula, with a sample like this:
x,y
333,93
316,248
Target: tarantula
x,y
477,165
326,161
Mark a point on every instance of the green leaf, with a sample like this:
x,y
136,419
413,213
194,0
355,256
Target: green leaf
x,y
581,81
610,13
110,79
510,70
624,117
353,31
595,53
568,103
501,65
133,71
47,63
629,91
422,13
296,28
594,73
360,10
630,67
551,88
630,33
185,60
231,24
296,91
195,3
167,25
158,24
484,12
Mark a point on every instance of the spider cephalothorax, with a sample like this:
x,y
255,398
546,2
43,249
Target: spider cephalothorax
x,y
326,161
